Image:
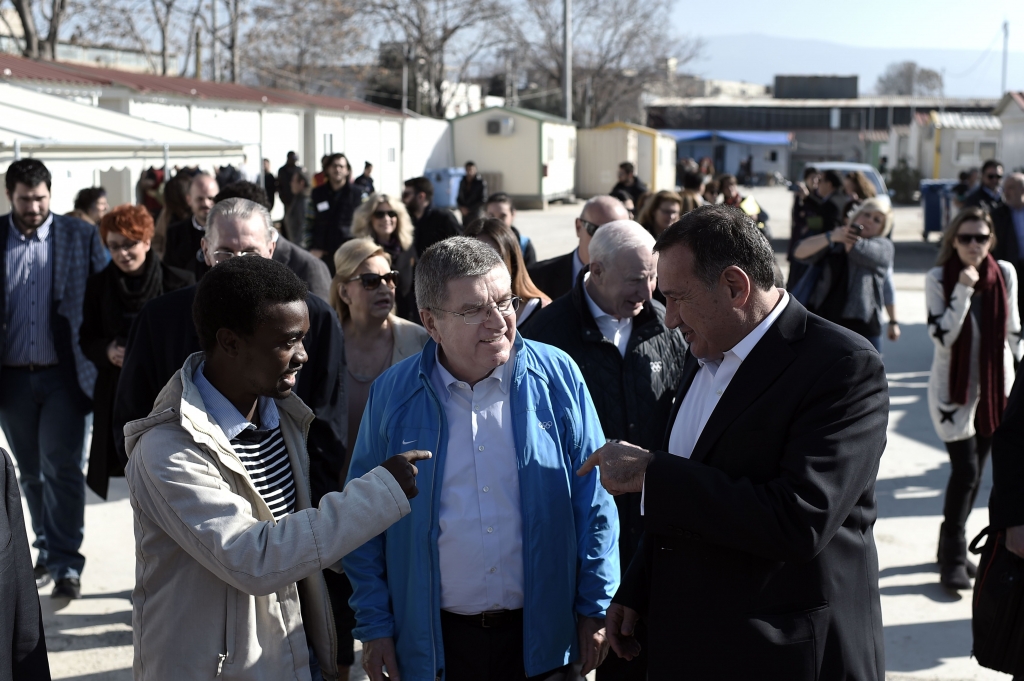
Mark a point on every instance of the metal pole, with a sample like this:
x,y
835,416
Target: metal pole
x,y
1006,47
405,79
567,46
216,43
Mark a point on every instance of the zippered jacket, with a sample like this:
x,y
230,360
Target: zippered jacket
x,y
570,525
218,582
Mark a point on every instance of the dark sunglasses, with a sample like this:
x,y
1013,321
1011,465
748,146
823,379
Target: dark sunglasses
x,y
993,177
589,226
372,281
965,239
385,213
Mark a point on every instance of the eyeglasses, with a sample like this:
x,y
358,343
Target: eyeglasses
x,y
123,247
993,177
385,214
479,315
223,256
589,226
965,239
372,281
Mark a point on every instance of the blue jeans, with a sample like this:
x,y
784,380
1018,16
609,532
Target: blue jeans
x,y
45,426
877,342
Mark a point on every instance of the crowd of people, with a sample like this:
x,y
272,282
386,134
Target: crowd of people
x,y
379,419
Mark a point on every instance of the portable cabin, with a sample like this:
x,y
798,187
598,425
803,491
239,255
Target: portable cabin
x,y
602,149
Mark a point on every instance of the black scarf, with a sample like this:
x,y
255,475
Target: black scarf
x,y
146,285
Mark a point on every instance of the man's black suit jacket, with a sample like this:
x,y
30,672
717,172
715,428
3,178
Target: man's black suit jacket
x,y
554,276
758,559
163,336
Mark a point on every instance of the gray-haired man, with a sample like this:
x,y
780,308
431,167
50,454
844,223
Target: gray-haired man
x,y
504,569
631,362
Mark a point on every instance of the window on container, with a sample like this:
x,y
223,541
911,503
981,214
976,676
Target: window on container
x,y
572,148
773,156
391,154
986,151
965,149
551,149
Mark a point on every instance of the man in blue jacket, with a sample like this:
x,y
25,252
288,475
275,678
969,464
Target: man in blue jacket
x,y
507,563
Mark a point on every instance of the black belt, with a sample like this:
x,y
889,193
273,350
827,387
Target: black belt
x,y
29,367
493,619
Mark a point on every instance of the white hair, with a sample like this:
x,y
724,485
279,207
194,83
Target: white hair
x,y
239,209
616,237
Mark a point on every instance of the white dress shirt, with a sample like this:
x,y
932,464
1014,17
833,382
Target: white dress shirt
x,y
615,330
710,383
480,545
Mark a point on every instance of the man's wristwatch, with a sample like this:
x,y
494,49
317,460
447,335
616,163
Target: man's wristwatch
x,y
893,321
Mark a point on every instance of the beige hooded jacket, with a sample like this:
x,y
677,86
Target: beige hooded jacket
x,y
221,590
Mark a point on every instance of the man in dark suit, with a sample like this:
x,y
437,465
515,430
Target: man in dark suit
x,y
1008,226
557,276
758,559
46,383
429,224
629,182
472,194
986,195
183,238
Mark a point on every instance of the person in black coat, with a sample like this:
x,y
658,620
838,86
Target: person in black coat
x,y
557,276
632,375
986,194
114,296
163,336
331,205
430,224
22,641
630,183
184,237
1006,503
472,194
1005,218
758,558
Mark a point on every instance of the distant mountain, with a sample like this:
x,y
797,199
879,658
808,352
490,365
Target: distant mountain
x,y
758,58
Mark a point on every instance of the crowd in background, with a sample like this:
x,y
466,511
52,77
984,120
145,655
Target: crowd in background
x,y
102,321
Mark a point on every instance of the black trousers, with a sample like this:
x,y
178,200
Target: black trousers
x,y
475,653
967,461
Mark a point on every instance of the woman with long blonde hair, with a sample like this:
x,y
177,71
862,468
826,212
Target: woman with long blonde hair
x,y
384,219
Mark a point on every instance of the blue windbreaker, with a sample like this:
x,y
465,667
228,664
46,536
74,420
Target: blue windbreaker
x,y
570,524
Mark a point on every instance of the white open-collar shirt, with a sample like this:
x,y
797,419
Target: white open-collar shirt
x,y
710,383
480,544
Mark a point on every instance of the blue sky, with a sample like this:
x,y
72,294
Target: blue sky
x,y
962,40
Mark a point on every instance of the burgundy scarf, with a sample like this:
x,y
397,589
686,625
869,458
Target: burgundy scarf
x,y
990,347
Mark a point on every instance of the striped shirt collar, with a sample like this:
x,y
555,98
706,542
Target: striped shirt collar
x,y
42,231
230,420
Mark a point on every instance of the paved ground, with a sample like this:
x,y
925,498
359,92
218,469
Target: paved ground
x,y
927,631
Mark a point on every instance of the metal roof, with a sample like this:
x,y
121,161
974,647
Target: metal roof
x,y
529,113
740,136
962,121
1014,97
874,101
20,69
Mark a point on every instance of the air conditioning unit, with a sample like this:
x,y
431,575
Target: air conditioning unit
x,y
506,125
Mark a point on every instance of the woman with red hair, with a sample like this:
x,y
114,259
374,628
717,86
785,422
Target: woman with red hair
x,y
113,297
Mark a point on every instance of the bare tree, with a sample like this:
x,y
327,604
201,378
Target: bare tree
x,y
447,35
907,78
139,24
293,43
53,17
620,47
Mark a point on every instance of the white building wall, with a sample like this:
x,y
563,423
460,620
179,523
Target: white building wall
x,y
168,114
599,153
426,145
1012,137
515,156
666,178
559,148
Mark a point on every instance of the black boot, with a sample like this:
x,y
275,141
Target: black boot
x,y
953,570
972,567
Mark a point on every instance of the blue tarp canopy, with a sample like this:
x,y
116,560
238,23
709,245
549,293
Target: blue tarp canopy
x,y
776,139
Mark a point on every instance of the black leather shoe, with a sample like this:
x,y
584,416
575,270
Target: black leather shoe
x,y
954,577
41,574
68,587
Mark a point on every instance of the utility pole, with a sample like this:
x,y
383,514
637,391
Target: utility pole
x,y
199,54
1006,47
216,45
567,47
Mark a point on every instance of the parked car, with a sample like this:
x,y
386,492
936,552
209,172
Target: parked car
x,y
870,172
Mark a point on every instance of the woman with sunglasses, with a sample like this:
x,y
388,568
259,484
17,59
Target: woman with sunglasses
x,y
974,323
496,234
113,298
385,220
